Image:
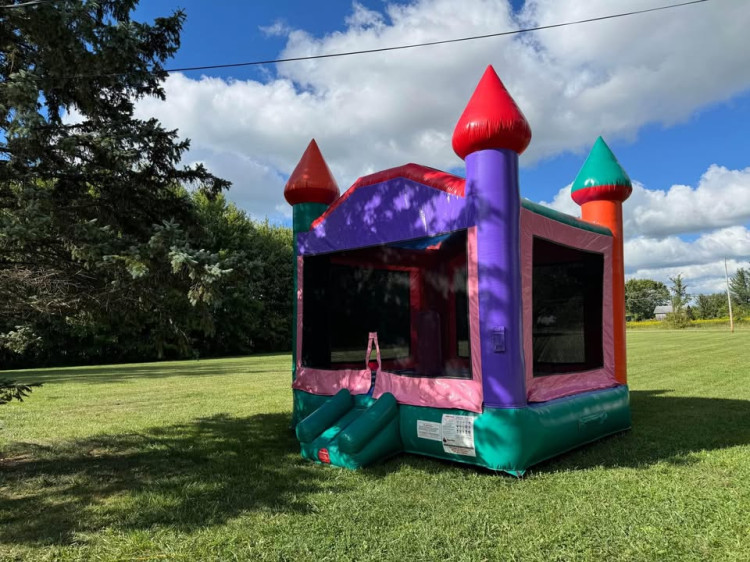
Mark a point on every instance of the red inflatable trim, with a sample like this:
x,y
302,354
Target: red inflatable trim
x,y
612,192
491,120
421,174
311,181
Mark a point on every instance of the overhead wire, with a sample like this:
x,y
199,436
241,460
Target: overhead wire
x,y
392,48
438,42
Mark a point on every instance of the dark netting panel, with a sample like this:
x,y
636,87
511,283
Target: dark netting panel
x,y
460,284
343,303
567,309
413,294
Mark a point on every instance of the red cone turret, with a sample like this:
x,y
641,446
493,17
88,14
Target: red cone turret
x,y
311,181
491,120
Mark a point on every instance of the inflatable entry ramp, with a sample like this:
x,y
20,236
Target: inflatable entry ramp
x,y
343,433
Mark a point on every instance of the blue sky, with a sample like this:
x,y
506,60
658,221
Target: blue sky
x,y
669,121
231,31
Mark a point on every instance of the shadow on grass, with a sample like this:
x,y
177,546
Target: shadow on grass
x,y
206,472
666,429
182,476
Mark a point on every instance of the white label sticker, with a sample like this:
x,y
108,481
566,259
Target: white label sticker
x,y
458,435
429,430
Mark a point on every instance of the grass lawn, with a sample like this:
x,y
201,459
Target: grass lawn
x,y
194,460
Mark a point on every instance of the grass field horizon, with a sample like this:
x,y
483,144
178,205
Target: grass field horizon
x,y
195,460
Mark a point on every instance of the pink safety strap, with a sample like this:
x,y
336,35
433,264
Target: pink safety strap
x,y
373,337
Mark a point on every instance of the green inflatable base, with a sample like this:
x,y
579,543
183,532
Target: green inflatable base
x,y
509,440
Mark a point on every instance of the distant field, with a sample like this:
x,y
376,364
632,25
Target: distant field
x,y
718,324
194,461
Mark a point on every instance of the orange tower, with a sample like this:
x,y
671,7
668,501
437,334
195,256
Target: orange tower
x,y
600,188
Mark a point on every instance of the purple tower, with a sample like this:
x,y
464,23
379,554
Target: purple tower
x,y
489,136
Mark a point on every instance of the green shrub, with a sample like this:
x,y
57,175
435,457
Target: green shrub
x,y
677,320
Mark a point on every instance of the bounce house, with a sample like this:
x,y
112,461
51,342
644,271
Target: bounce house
x,y
446,316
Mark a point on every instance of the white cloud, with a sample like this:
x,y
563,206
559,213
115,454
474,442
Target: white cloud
x,y
279,28
721,198
248,175
363,17
375,111
701,261
642,252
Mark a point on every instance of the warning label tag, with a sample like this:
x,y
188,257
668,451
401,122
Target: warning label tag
x,y
429,430
458,435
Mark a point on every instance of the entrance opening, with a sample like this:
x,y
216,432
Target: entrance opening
x,y
413,294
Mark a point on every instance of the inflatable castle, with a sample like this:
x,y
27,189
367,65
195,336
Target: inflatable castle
x,y
447,316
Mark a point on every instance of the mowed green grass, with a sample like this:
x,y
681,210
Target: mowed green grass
x,y
195,461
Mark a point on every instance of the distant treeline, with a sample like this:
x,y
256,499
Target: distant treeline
x,y
221,287
642,296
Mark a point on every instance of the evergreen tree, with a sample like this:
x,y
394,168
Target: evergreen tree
x,y
95,226
12,390
253,310
739,288
678,318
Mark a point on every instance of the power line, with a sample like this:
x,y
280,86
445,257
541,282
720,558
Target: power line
x,y
431,43
386,49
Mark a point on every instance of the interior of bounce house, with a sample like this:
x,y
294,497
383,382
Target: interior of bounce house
x,y
446,316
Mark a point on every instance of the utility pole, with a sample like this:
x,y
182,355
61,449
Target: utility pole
x,y
729,297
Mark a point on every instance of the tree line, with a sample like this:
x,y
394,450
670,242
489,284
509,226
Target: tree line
x,y
111,249
642,296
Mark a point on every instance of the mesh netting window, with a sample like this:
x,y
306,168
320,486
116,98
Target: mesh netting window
x,y
413,294
343,303
460,285
567,309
